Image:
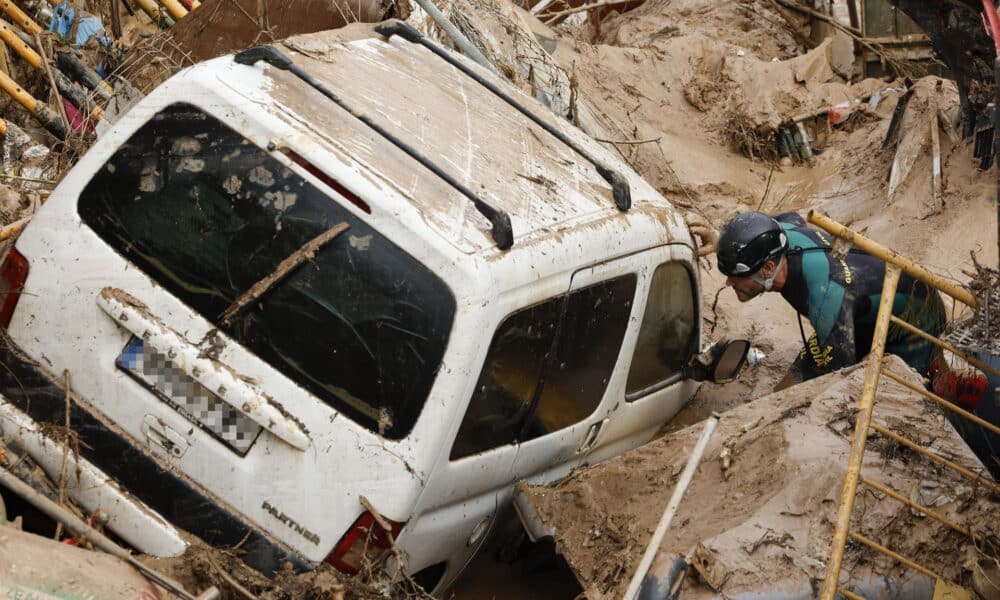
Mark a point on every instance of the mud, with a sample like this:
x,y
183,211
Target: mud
x,y
764,516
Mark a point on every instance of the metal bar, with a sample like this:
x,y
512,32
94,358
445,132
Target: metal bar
x,y
502,232
77,526
943,344
153,10
18,45
879,251
72,64
116,19
849,594
950,406
935,163
45,116
668,514
930,513
175,8
880,548
806,147
864,417
454,34
18,16
936,457
27,50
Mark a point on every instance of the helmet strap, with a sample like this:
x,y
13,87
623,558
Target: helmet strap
x,y
769,282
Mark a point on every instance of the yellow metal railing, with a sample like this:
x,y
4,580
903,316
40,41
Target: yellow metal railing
x,y
895,265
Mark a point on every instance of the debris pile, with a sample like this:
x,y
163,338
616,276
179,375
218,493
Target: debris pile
x,y
759,514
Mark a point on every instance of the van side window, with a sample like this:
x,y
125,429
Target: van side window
x,y
583,330
668,335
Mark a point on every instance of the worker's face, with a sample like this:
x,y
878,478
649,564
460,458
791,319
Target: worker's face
x,y
746,288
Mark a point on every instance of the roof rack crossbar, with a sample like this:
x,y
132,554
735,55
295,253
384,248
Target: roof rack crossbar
x,y
502,232
619,185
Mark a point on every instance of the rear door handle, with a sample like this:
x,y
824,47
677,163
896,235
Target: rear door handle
x,y
593,434
222,381
158,433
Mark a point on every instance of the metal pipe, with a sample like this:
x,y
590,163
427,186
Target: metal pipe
x,y
18,16
456,36
18,45
671,510
175,8
45,116
72,64
923,509
67,88
864,417
879,251
81,529
946,404
154,12
806,148
935,163
936,457
880,548
943,344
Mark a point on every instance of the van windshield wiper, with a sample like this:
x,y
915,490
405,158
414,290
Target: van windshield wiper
x,y
502,232
286,266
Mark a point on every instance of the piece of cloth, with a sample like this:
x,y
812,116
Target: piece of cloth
x,y
840,297
89,27
965,387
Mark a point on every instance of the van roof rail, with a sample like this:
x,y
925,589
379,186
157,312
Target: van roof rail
x,y
619,185
502,232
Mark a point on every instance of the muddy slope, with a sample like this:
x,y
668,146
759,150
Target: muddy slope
x,y
766,520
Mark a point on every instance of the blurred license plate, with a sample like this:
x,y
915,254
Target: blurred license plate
x,y
188,397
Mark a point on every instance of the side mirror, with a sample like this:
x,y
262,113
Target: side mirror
x,y
721,363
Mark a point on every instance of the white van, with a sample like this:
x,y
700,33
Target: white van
x,y
308,279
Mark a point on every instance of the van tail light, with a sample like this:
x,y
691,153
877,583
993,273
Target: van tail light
x,y
13,273
366,540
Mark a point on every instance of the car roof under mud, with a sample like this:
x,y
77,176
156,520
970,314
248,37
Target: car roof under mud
x,y
544,185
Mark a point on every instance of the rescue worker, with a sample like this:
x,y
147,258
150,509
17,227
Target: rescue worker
x,y
840,296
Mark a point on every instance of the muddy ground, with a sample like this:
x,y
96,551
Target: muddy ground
x,y
694,89
761,507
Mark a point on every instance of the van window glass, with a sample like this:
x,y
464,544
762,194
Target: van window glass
x,y
206,213
668,335
593,322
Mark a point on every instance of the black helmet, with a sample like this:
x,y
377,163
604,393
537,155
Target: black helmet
x,y
747,242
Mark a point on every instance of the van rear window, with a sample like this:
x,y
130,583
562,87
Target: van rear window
x,y
207,214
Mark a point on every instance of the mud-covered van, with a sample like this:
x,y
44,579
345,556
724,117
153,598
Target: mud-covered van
x,y
322,276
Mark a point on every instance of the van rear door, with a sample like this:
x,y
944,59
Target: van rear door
x,y
240,320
